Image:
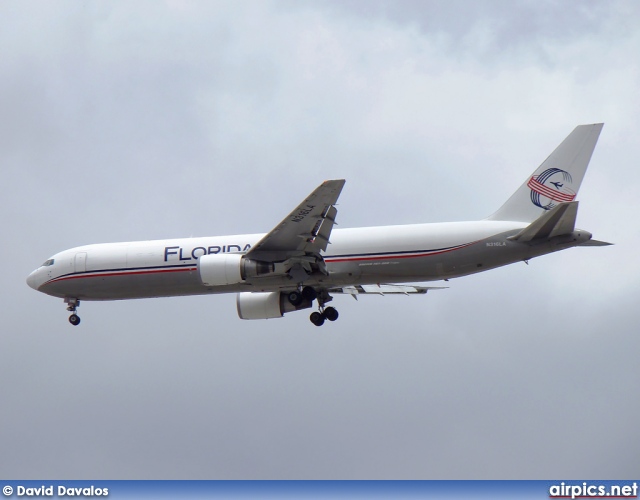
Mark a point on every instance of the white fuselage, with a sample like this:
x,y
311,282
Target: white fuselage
x,y
369,255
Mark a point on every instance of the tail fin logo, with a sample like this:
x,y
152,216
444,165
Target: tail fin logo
x,y
550,188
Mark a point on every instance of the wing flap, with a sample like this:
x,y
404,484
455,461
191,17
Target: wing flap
x,y
384,289
323,231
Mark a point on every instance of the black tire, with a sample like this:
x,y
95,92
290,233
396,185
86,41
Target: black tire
x,y
331,314
295,298
309,293
74,319
317,318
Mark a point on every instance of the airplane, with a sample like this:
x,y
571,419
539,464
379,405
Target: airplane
x,y
304,259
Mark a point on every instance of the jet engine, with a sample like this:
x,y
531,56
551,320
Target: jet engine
x,y
266,305
230,268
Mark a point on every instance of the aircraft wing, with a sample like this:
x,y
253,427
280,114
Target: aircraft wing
x,y
383,289
305,231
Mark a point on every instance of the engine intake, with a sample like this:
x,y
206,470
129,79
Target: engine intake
x,y
266,305
230,269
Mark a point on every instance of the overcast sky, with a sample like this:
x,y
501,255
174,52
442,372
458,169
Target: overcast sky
x,y
122,121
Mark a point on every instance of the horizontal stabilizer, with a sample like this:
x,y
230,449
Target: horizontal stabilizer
x,y
560,220
595,243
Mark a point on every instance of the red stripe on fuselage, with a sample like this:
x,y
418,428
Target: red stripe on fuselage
x,y
399,256
102,274
121,273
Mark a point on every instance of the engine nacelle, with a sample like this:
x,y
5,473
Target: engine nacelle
x,y
266,305
230,269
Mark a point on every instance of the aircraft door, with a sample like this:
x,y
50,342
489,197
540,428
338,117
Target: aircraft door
x,y
81,262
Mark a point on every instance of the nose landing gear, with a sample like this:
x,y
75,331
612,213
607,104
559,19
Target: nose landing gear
x,y
72,306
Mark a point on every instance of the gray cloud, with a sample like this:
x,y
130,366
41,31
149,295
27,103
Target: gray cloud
x,y
124,122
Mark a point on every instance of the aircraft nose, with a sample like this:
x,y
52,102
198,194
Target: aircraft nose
x,y
32,280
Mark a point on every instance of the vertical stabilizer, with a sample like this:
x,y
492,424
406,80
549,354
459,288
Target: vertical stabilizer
x,y
556,181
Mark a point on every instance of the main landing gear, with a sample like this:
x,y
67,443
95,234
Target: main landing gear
x,y
318,317
72,306
310,294
297,297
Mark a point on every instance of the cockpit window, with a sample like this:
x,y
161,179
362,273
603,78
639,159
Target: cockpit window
x,y
48,263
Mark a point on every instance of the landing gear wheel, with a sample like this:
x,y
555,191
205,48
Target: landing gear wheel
x,y
295,298
309,293
72,307
331,314
317,318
